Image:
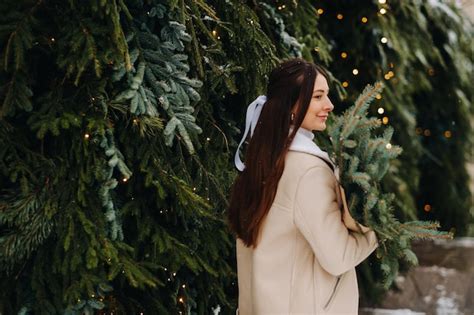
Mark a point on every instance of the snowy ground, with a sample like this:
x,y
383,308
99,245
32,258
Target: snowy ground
x,y
443,283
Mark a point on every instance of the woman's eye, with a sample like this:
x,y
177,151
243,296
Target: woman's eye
x,y
318,97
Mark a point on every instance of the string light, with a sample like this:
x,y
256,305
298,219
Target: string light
x,y
380,110
208,139
135,121
344,55
384,40
52,39
355,72
125,179
364,19
427,208
388,146
181,300
385,120
345,84
340,16
427,132
86,136
389,75
382,1
214,32
184,286
383,11
447,134
320,11
378,96
431,71
419,130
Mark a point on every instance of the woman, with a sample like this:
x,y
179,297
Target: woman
x,y
296,249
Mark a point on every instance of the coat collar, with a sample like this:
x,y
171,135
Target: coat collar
x,y
303,142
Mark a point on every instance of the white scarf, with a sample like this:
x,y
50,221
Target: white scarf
x,y
302,142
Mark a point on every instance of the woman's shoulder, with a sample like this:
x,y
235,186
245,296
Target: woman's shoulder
x,y
300,164
302,161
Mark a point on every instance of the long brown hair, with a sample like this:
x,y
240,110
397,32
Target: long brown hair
x,y
291,83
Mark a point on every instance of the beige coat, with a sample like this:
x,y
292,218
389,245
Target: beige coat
x,y
305,259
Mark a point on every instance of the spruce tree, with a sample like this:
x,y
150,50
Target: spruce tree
x,y
105,203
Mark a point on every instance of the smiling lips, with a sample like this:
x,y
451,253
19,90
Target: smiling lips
x,y
323,117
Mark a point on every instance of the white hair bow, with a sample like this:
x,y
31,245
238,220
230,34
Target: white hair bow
x,y
253,112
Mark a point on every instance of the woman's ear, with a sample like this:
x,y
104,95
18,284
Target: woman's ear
x,y
295,108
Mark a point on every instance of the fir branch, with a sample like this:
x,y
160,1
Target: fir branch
x,y
147,89
27,223
363,160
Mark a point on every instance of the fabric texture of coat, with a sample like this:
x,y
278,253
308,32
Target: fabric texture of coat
x,y
305,259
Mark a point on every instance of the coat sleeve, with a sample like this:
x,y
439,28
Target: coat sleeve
x,y
319,218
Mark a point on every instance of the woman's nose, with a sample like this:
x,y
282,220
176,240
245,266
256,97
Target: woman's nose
x,y
329,105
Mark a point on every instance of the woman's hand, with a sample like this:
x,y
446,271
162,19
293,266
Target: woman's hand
x,y
347,218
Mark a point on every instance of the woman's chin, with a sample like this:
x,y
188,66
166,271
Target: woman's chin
x,y
320,127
